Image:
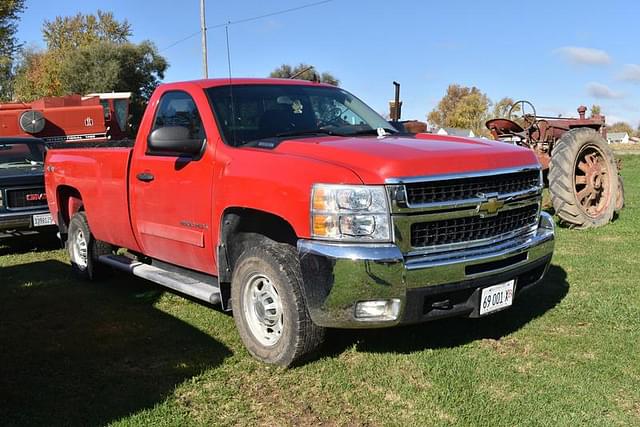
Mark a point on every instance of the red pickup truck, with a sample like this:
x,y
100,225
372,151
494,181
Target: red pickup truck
x,y
296,205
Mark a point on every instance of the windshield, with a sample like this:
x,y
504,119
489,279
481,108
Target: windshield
x,y
20,154
281,111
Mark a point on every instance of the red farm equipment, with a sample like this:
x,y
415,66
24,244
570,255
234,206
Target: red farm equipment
x,y
74,118
580,170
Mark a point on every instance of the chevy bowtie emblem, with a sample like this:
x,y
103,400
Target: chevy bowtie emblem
x,y
489,207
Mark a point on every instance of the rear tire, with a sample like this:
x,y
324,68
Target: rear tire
x,y
269,307
84,250
583,179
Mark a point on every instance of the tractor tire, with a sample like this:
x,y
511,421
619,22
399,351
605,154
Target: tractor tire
x,y
269,307
84,250
583,179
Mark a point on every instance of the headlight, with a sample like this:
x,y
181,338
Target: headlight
x,y
350,213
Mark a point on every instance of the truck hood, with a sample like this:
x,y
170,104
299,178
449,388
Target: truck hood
x,y
376,159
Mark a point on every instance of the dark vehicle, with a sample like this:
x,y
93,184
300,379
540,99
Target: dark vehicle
x,y
23,201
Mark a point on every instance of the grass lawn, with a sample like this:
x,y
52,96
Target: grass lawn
x,y
123,352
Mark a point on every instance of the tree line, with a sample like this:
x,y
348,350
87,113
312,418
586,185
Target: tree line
x,y
94,53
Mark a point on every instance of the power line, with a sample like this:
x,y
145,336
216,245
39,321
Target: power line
x,y
242,21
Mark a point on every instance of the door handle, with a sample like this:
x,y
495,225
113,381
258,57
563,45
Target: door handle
x,y
145,177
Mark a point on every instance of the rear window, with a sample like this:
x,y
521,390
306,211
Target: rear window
x,y
20,153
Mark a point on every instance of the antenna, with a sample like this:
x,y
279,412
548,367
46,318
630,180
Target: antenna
x,y
233,111
299,73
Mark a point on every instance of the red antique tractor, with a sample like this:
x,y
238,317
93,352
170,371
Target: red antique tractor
x,y
582,174
74,118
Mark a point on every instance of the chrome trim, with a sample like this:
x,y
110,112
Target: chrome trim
x,y
402,228
337,276
397,193
353,252
472,256
445,177
427,250
399,203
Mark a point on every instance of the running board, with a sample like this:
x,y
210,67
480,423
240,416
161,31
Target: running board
x,y
203,287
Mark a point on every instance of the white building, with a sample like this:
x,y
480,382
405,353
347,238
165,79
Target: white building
x,y
618,138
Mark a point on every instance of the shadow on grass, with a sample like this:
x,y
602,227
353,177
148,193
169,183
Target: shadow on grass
x,y
35,242
447,333
88,354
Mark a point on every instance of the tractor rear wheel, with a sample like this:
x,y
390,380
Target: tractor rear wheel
x,y
583,179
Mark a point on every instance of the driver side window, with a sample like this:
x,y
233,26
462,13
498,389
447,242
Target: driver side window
x,y
179,109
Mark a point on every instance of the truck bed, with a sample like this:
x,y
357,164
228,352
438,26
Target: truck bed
x,y
99,172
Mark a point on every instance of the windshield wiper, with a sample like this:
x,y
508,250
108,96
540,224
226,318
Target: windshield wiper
x,y
372,131
305,132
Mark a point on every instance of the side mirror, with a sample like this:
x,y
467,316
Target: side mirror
x,y
174,140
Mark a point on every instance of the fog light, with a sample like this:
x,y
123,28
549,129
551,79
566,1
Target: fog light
x,y
378,310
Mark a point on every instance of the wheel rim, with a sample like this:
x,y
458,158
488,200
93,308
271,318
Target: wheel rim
x,y
79,249
591,181
263,310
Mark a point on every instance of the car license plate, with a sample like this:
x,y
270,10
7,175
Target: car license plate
x,y
496,297
42,220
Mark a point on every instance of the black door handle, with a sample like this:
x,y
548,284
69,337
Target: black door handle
x,y
145,177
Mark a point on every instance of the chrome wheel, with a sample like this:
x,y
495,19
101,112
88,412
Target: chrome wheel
x,y
262,308
80,249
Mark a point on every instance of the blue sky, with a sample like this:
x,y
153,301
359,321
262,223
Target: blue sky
x,y
570,53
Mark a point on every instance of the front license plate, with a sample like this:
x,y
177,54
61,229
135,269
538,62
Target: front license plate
x,y
42,220
496,297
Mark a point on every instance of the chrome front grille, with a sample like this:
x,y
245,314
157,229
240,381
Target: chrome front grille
x,y
471,228
453,212
419,193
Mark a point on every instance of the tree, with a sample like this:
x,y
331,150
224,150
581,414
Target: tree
x,y
501,108
37,76
74,32
90,53
304,72
106,66
9,46
595,110
462,107
620,127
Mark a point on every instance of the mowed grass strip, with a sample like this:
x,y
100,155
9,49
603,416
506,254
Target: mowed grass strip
x,y
124,352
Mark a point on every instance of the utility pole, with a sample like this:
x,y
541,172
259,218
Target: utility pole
x,y
203,29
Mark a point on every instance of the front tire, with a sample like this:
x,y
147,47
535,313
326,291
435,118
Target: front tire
x,y
84,250
269,307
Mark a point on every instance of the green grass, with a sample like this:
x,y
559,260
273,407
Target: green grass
x,y
122,352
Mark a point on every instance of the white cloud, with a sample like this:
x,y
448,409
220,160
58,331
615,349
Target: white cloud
x,y
600,91
584,55
630,73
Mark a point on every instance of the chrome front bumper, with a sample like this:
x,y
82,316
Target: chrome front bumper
x,y
338,276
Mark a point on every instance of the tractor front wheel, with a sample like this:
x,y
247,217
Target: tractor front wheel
x,y
583,179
